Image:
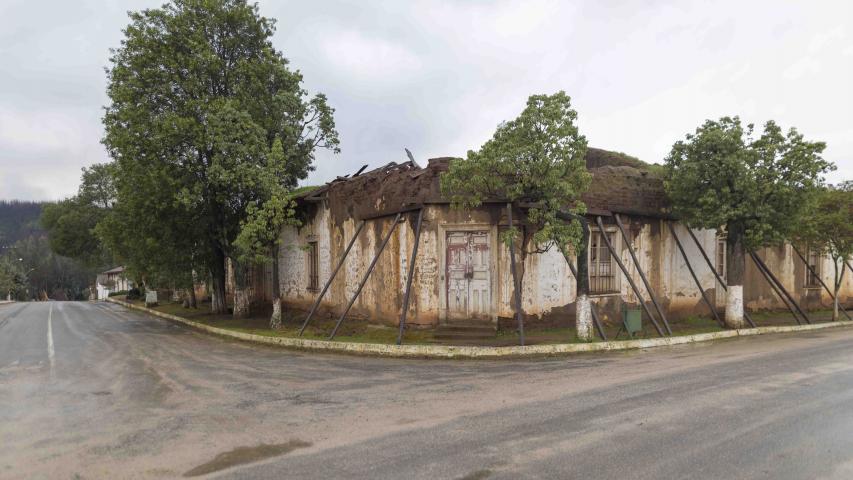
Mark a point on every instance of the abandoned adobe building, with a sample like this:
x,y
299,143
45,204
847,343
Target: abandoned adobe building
x,y
462,270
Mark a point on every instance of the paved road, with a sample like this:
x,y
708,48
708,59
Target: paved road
x,y
94,391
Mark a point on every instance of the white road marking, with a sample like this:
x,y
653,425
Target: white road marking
x,y
50,351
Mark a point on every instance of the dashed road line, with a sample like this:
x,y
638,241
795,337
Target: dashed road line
x,y
51,353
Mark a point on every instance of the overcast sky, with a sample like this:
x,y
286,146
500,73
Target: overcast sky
x,y
438,76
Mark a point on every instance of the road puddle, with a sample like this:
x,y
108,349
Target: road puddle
x,y
244,455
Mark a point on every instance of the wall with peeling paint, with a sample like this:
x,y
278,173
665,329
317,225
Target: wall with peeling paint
x,y
548,288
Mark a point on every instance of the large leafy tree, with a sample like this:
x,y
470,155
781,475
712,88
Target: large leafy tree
x,y
198,98
71,223
536,163
755,190
830,230
260,231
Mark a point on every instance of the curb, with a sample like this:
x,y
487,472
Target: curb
x,y
449,351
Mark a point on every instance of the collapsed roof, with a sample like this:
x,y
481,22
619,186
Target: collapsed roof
x,y
620,184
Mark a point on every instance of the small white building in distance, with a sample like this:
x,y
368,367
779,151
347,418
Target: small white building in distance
x,y
112,280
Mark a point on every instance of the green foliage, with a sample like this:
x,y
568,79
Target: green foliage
x,y
199,98
535,160
44,271
756,188
71,223
29,264
830,227
18,220
12,277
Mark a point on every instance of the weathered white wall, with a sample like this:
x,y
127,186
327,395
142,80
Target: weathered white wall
x,y
548,287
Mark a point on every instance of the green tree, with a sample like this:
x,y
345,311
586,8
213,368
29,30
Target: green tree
x,y
535,163
198,98
756,191
830,230
71,223
12,277
260,232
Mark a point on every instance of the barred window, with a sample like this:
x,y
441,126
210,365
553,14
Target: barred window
x,y
813,273
721,257
313,267
602,271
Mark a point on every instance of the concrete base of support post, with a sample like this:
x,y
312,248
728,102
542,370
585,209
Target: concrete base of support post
x,y
584,318
734,306
275,318
241,303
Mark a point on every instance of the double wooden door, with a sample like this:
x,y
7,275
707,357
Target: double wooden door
x,y
468,276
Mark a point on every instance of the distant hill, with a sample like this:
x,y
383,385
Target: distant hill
x,y
19,220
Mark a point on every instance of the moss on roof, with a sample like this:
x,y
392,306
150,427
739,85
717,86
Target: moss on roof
x,y
597,158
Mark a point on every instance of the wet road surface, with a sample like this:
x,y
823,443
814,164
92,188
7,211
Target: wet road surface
x,y
90,390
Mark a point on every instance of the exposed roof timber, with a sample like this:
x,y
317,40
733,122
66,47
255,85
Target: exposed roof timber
x,y
407,208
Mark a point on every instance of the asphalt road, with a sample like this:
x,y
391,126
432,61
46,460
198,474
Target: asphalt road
x,y
94,391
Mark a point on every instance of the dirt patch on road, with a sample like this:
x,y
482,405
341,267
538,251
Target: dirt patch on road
x,y
244,455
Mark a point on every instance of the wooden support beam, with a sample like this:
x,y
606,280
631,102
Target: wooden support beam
x,y
332,277
773,286
411,274
516,286
627,275
406,209
695,278
813,272
781,287
642,275
717,275
366,275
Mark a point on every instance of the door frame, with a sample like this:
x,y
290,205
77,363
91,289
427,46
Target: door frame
x,y
492,230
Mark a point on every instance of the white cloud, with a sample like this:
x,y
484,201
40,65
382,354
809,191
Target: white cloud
x,y
368,58
437,76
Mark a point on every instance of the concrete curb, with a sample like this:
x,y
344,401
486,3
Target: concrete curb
x,y
448,351
6,302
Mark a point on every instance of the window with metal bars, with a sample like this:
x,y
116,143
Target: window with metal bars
x,y
813,273
602,271
313,267
721,257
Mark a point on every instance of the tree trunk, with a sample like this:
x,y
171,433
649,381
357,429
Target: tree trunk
x,y
735,265
583,308
193,299
275,318
839,278
217,283
242,297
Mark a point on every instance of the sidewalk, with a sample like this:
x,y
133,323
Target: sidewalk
x,y
450,351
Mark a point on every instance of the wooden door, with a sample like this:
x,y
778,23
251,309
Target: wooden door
x,y
468,276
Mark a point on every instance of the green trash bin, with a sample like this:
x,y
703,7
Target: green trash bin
x,y
632,319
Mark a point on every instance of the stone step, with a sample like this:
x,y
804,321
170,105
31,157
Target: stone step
x,y
465,331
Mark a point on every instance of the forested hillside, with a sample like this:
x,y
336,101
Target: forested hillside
x,y
18,220
29,269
